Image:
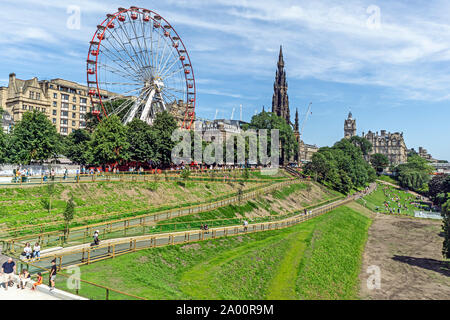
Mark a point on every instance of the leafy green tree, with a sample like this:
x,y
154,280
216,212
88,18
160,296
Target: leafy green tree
x,y
109,143
439,188
245,174
142,140
34,138
46,201
185,174
362,143
92,121
379,162
270,121
68,214
341,167
446,229
162,129
415,174
78,148
3,147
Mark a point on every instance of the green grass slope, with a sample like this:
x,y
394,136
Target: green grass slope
x,y
318,259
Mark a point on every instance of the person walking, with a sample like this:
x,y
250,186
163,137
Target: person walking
x,y
8,272
245,225
96,240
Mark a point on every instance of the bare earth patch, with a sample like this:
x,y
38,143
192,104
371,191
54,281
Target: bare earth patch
x,y
408,252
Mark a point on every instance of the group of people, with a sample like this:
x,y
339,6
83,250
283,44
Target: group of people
x,y
394,203
204,227
9,276
29,253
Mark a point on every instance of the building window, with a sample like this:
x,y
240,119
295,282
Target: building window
x,y
54,120
54,103
83,100
74,123
31,95
74,115
64,114
74,99
63,130
38,96
74,107
24,107
82,108
44,110
64,97
64,121
51,86
38,109
55,96
64,105
81,116
54,112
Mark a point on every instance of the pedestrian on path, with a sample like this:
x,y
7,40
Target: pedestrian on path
x,y
8,272
53,275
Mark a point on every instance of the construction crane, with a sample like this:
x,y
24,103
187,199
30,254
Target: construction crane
x,y
304,120
303,153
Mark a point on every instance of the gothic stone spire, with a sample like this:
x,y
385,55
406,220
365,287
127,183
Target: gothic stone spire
x,y
296,121
280,99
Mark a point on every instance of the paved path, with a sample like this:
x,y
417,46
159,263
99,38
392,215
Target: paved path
x,y
25,294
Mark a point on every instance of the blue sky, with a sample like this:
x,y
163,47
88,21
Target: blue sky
x,y
392,72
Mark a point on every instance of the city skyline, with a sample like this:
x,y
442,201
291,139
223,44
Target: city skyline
x,y
392,75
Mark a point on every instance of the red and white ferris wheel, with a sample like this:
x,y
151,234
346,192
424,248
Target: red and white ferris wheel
x,y
136,54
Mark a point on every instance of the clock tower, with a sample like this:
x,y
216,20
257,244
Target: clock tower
x,y
349,127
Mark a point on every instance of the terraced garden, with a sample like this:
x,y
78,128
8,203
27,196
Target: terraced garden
x,y
30,205
320,258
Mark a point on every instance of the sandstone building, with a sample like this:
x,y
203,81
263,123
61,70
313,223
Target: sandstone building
x,y
392,145
64,102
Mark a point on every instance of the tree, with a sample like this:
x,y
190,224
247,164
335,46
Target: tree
x,y
142,140
415,174
362,143
270,121
3,147
163,127
379,162
68,213
78,148
47,201
34,138
341,167
109,143
438,189
446,229
245,174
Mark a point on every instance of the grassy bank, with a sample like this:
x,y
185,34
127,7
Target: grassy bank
x,y
376,201
318,259
20,206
